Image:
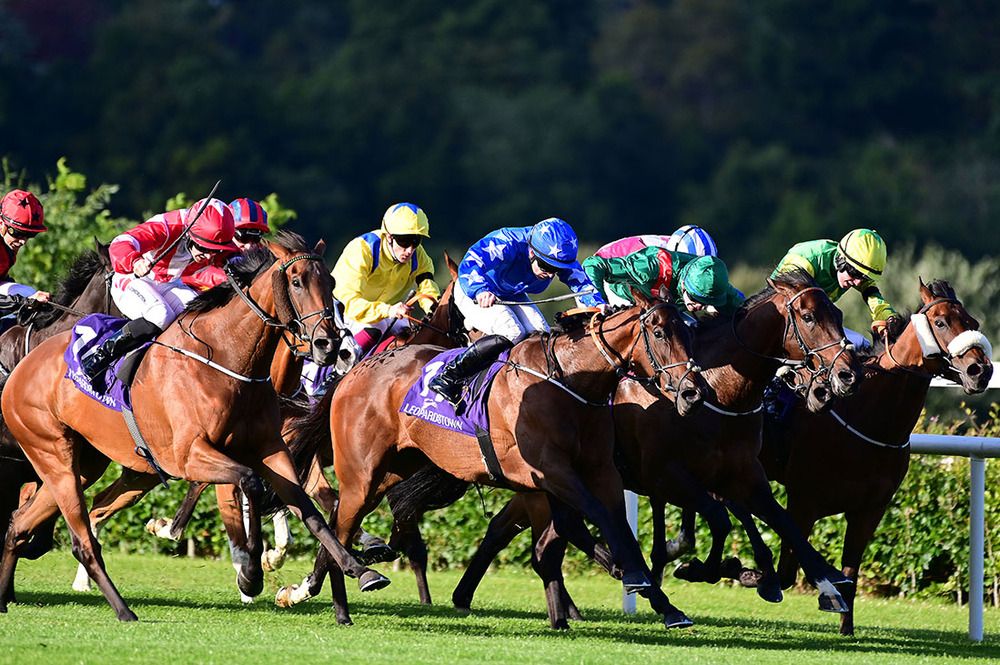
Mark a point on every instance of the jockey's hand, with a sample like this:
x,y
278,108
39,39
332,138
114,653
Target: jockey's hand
x,y
879,329
41,296
399,310
141,267
486,299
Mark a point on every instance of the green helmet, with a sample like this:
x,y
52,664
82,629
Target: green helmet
x,y
706,279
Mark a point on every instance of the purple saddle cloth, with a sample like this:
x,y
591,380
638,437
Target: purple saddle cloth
x,y
422,402
89,332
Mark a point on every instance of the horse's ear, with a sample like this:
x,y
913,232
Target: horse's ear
x,y
925,293
640,298
281,253
102,251
320,248
452,266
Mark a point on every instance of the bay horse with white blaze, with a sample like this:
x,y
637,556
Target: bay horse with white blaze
x,y
201,424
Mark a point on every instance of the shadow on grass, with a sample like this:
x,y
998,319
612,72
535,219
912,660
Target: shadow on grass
x,y
722,632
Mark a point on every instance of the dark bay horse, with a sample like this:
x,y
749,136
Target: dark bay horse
x,y
673,459
201,424
869,432
83,290
544,437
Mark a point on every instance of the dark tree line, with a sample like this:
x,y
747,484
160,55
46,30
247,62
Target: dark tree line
x,y
766,121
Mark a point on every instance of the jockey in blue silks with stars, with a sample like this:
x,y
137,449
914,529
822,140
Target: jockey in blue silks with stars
x,y
507,265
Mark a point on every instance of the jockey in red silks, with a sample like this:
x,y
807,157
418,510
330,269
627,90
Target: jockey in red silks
x,y
21,219
152,294
251,223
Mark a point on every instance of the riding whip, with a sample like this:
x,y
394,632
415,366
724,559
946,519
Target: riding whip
x,y
186,228
566,296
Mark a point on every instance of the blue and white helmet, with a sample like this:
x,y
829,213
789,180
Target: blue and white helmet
x,y
692,239
554,242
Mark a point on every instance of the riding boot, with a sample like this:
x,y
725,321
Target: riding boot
x,y
133,334
452,377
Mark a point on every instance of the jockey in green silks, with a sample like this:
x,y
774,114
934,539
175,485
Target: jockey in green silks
x,y
856,262
694,283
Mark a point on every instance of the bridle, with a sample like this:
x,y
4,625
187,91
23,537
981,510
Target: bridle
x,y
623,366
297,325
817,369
931,346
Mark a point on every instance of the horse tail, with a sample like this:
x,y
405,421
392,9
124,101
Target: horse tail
x,y
429,488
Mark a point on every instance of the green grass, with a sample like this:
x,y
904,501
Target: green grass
x,y
189,612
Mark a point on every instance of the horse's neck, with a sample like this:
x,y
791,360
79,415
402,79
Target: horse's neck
x,y
737,375
286,370
586,369
239,339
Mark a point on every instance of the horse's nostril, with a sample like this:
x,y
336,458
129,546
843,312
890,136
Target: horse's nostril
x,y
975,369
846,376
820,393
690,395
323,344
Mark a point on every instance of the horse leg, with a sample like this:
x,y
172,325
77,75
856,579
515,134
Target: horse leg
x,y
39,509
406,538
818,571
788,563
171,529
710,570
659,555
861,527
547,554
686,537
125,491
274,559
249,577
511,520
765,579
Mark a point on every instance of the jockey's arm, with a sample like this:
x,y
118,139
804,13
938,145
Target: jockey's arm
x,y
791,262
128,247
577,279
880,308
350,273
428,291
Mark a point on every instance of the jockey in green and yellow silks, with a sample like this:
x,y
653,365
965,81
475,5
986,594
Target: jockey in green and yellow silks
x,y
695,283
856,262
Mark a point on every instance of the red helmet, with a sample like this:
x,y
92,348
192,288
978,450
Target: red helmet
x,y
248,214
215,228
23,211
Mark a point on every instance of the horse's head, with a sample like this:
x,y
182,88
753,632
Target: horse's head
x,y
303,296
813,338
949,338
668,343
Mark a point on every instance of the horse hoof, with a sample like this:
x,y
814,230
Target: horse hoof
x,y
463,611
283,598
676,619
127,615
770,592
731,568
372,580
690,571
378,552
250,587
635,582
561,624
272,560
830,599
344,621
574,614
750,579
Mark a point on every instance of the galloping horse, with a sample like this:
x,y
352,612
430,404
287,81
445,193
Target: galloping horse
x,y
215,423
674,459
546,432
84,290
870,431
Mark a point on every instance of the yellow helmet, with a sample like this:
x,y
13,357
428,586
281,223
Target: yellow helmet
x,y
405,219
864,250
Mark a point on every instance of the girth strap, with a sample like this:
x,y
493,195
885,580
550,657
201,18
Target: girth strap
x,y
489,455
141,447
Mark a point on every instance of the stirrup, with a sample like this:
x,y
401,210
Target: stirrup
x,y
450,391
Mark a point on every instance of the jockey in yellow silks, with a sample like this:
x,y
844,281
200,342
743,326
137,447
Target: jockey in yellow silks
x,y
377,270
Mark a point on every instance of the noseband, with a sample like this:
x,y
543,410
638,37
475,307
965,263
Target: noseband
x,y
931,347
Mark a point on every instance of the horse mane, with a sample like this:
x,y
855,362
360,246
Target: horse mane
x,y
796,279
71,287
245,268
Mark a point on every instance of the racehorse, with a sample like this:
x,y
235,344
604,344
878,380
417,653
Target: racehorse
x,y
545,430
84,290
215,423
674,459
870,431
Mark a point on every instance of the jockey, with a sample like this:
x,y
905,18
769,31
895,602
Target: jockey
x,y
153,294
856,262
689,239
376,271
699,283
507,265
21,218
250,219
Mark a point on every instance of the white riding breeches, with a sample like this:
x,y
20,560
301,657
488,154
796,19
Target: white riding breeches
x,y
515,322
157,302
15,289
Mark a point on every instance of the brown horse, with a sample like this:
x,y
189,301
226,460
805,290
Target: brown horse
x,y
870,431
200,423
546,432
673,459
84,290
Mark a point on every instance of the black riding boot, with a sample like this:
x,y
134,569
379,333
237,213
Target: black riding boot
x,y
448,383
132,335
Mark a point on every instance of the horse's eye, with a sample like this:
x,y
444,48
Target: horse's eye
x,y
808,317
658,334
939,323
296,282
